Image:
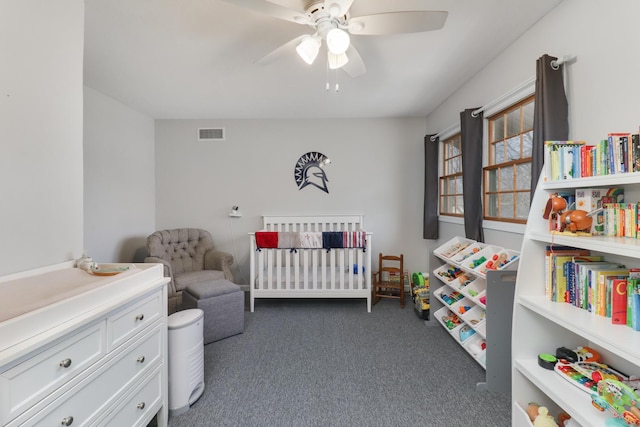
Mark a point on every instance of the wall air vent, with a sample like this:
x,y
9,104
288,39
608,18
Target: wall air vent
x,y
211,134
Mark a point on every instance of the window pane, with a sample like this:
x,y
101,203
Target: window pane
x,y
455,150
498,129
513,148
448,167
498,153
527,144
450,204
492,205
459,185
492,180
522,205
451,186
523,176
527,116
506,179
506,205
513,123
455,168
459,205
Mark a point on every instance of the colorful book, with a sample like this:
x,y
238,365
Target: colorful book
x,y
600,288
619,302
550,254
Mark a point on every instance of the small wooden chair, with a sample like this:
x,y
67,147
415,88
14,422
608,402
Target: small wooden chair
x,y
388,281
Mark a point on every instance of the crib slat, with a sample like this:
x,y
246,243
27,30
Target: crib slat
x,y
341,267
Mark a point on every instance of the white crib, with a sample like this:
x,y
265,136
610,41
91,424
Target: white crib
x,y
310,273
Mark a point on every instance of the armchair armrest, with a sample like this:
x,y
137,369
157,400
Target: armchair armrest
x,y
219,260
167,272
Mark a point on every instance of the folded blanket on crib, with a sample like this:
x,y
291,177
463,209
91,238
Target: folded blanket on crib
x,y
332,239
311,239
354,239
344,239
288,239
267,239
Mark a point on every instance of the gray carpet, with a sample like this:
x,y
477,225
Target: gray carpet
x,y
330,363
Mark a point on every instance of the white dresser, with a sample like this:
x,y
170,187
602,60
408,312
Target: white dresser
x,y
83,350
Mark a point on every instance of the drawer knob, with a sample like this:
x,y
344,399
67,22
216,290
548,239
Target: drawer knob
x,y
66,421
140,317
65,364
140,359
140,405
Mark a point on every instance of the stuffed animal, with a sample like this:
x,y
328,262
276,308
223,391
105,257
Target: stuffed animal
x,y
544,419
539,416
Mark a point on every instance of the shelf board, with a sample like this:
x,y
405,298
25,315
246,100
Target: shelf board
x,y
623,246
620,339
613,180
569,397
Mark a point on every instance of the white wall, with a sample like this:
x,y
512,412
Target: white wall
x,y
119,181
40,132
602,83
377,170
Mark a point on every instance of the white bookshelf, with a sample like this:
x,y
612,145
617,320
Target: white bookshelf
x,y
541,326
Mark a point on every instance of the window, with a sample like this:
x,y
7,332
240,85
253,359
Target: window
x,y
451,179
507,178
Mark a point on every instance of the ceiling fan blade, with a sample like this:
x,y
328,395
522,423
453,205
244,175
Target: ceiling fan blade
x,y
279,52
272,9
355,67
397,22
337,7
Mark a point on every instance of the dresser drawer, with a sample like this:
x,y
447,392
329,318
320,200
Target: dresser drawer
x,y
144,403
30,381
133,318
84,402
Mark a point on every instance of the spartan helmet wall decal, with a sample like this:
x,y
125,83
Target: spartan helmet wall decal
x,y
309,170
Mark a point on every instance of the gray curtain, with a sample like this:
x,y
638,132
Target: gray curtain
x,y
430,214
550,114
471,141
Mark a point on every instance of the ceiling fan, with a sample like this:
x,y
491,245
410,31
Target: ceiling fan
x,y
333,25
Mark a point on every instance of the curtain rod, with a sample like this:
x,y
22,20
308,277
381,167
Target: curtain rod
x,y
555,64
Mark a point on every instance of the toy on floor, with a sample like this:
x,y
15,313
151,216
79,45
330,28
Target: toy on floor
x,y
619,399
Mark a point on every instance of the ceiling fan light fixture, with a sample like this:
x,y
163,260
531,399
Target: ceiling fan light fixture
x,y
308,49
337,41
337,61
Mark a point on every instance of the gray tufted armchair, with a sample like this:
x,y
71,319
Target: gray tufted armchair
x,y
188,257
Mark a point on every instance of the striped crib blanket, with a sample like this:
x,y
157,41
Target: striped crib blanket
x,y
311,239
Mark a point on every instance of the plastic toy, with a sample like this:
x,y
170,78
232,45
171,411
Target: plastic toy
x,y
574,220
466,332
619,399
580,354
586,375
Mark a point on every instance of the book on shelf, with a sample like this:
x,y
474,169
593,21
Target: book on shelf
x,y
590,199
621,219
619,301
562,159
635,158
618,153
576,274
552,266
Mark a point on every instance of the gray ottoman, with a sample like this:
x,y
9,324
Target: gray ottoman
x,y
223,306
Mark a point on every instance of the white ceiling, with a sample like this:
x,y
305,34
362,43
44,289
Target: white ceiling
x,y
197,58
